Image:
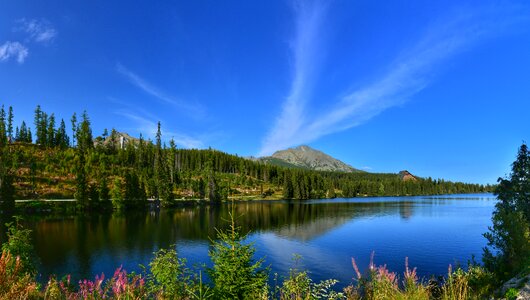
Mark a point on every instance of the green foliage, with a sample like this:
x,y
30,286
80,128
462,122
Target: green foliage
x,y
509,237
81,181
480,281
19,245
116,193
511,294
300,286
104,192
456,286
234,274
7,193
169,278
134,195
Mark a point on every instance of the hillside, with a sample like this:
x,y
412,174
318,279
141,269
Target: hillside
x,y
306,157
98,169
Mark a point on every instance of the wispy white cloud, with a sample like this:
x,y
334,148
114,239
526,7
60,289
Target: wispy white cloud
x,y
412,71
150,89
13,50
309,16
147,125
40,31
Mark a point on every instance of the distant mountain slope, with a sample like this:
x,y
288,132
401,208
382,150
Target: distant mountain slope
x,y
306,157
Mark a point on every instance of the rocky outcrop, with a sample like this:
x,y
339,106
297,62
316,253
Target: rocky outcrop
x,y
406,176
521,283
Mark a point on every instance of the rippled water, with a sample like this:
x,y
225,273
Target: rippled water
x,y
432,231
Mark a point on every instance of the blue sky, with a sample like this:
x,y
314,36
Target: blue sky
x,y
440,88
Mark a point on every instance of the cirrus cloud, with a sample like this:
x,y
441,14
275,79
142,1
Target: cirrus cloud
x,y
408,74
40,31
13,50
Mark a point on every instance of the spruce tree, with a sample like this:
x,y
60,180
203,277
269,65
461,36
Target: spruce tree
x,y
10,124
235,274
3,133
73,121
84,134
50,132
164,188
62,139
510,234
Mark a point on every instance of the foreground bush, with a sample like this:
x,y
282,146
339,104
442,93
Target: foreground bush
x,y
14,282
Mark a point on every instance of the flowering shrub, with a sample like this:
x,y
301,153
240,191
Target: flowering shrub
x,y
14,282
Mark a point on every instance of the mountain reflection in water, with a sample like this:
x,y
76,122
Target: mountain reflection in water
x,y
339,228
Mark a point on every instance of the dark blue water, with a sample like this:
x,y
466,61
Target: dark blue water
x,y
432,232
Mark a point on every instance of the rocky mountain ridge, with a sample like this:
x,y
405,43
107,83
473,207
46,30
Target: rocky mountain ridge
x,y
306,157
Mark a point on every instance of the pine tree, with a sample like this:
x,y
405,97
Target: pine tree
x,y
10,124
510,233
235,275
288,192
50,132
62,139
164,188
41,124
84,134
23,133
73,121
29,136
17,134
3,133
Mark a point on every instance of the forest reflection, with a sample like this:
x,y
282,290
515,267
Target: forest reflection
x,y
80,236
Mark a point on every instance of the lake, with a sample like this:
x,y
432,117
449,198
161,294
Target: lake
x,y
432,231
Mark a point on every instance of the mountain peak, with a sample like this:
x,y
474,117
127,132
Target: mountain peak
x,y
306,157
304,148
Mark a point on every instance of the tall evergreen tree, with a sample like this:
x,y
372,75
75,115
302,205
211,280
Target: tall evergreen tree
x,y
3,133
62,139
41,124
510,233
29,136
84,134
10,124
24,133
163,185
50,132
73,121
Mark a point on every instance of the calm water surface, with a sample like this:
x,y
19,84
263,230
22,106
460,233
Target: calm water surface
x,y
432,231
